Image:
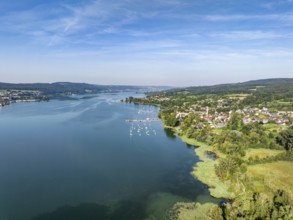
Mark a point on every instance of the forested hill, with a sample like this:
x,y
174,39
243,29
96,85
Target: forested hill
x,y
269,81
276,94
276,85
67,87
266,92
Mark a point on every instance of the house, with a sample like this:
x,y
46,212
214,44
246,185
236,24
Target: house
x,y
181,115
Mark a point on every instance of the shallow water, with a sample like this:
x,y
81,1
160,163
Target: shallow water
x,y
80,159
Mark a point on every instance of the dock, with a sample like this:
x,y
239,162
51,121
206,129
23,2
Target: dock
x,y
143,120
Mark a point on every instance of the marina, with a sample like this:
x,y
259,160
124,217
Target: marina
x,y
142,126
143,120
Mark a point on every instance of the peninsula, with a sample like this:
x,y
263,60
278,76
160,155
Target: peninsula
x,y
244,137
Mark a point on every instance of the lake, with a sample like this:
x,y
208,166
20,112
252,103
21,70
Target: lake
x,y
81,159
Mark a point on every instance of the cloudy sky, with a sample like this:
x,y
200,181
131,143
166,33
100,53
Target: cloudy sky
x,y
145,42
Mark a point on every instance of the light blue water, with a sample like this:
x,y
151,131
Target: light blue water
x,y
82,153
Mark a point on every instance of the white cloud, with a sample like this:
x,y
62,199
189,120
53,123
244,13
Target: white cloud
x,y
241,17
96,17
248,35
274,4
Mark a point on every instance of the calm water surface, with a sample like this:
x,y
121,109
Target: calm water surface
x,y
77,158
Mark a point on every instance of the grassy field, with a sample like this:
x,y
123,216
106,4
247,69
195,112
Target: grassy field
x,y
285,103
272,127
261,153
238,96
276,175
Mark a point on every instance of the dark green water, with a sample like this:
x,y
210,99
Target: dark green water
x,y
82,160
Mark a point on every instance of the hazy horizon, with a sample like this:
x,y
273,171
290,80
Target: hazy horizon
x,y
142,85
174,43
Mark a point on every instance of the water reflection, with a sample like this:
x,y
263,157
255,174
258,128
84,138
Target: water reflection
x,y
124,210
170,133
189,146
82,211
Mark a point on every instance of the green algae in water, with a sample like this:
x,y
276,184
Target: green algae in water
x,y
159,205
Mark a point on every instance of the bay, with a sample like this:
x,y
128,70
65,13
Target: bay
x,y
62,159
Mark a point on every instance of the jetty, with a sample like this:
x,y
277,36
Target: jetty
x,y
143,120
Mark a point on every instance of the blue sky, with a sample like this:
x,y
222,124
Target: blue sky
x,y
145,42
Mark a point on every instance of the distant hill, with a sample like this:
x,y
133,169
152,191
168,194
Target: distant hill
x,y
73,88
53,88
269,81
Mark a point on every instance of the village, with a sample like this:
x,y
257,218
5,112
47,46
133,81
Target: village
x,y
220,119
12,96
217,110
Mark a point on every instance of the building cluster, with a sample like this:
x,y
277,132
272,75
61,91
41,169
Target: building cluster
x,y
159,99
264,116
216,111
220,119
7,96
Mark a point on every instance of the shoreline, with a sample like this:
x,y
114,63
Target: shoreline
x,y
204,170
